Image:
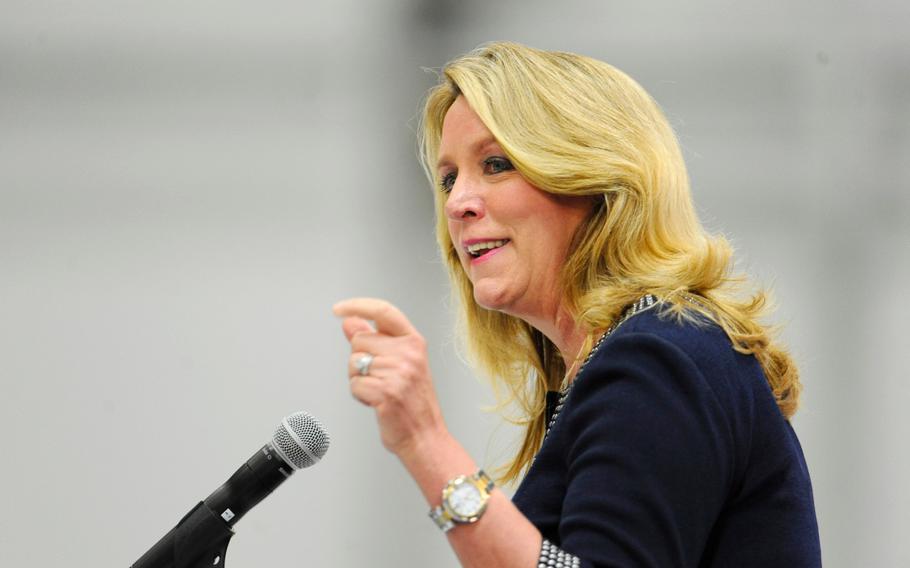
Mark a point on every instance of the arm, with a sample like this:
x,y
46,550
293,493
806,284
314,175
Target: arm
x,y
503,537
400,390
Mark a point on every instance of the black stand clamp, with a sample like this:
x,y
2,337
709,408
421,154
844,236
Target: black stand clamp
x,y
199,540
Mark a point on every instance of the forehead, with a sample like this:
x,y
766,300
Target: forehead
x,y
461,118
462,129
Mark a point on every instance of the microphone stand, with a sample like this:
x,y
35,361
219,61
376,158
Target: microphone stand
x,y
199,540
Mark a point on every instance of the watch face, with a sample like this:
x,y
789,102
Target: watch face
x,y
465,500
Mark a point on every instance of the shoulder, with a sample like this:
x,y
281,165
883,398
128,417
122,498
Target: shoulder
x,y
699,338
669,378
660,372
656,359
694,350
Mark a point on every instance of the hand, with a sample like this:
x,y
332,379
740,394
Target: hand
x,y
398,384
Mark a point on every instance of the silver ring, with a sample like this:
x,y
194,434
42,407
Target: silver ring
x,y
363,364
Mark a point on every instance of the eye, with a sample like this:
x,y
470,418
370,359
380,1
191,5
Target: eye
x,y
447,181
496,165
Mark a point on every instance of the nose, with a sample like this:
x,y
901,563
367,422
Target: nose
x,y
464,201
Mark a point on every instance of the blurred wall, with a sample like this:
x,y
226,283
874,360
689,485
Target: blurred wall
x,y
187,187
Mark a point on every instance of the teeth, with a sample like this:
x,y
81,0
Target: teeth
x,y
476,248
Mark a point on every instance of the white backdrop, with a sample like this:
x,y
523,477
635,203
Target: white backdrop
x,y
187,187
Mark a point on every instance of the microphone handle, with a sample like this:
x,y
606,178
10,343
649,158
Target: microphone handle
x,y
250,484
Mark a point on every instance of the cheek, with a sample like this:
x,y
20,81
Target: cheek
x,y
565,227
454,238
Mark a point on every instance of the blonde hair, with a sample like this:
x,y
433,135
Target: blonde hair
x,y
575,126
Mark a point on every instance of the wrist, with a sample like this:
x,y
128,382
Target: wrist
x,y
433,460
425,448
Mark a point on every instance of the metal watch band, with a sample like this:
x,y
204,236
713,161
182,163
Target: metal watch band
x,y
482,476
442,519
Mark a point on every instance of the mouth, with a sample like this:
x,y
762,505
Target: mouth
x,y
483,249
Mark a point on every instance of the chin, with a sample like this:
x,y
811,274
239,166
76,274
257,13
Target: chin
x,y
492,298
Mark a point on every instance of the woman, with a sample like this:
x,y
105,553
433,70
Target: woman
x,y
655,403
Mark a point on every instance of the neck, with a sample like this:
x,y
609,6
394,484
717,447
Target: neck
x,y
566,334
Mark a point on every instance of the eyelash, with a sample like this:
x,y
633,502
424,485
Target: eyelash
x,y
448,180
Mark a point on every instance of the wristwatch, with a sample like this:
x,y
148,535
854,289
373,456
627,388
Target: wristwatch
x,y
464,500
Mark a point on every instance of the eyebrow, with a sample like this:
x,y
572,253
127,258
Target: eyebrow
x,y
474,148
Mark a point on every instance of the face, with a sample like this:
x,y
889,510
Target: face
x,y
511,237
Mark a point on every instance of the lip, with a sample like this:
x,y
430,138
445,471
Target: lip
x,y
487,255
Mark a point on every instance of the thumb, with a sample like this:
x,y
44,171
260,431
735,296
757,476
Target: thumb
x,y
354,325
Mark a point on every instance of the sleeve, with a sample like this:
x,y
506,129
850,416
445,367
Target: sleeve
x,y
649,458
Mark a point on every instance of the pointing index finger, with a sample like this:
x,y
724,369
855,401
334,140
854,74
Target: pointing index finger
x,y
388,318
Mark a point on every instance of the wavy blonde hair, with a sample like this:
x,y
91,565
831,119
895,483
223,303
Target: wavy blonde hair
x,y
575,126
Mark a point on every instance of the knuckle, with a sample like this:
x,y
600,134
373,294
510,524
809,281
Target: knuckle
x,y
406,369
396,391
415,356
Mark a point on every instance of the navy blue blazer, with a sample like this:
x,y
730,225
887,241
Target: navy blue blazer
x,y
671,451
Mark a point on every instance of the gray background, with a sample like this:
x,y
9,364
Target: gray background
x,y
187,187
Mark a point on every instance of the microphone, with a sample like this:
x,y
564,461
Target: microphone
x,y
201,537
299,441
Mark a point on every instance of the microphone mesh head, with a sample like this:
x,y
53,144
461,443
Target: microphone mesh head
x,y
301,439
